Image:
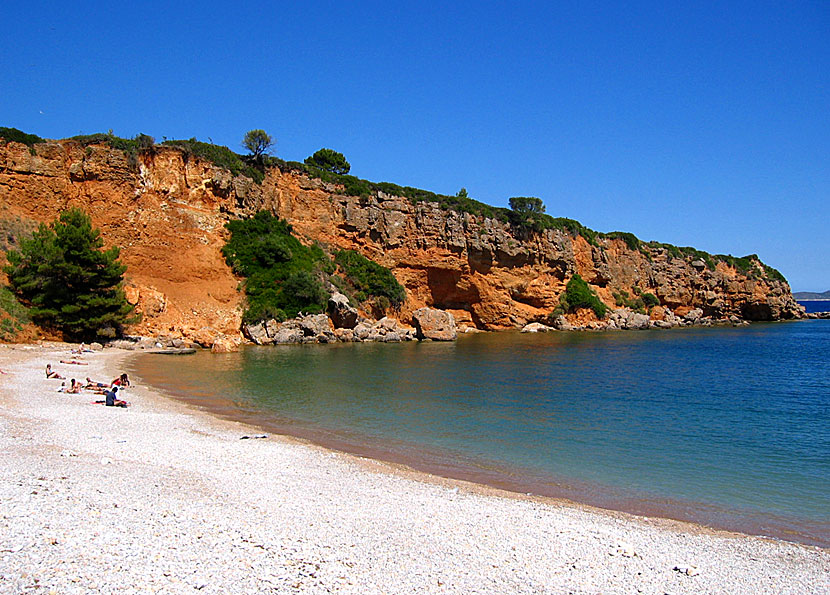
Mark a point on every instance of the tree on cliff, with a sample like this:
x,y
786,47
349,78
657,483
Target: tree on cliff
x,y
68,280
257,142
329,160
527,205
527,213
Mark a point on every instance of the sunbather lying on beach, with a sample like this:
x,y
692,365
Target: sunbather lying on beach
x,y
51,374
96,387
74,361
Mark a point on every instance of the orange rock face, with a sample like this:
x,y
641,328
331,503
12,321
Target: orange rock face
x,y
167,213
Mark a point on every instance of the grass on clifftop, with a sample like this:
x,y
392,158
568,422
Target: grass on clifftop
x,y
353,186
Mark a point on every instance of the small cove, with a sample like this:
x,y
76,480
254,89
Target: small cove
x,y
728,427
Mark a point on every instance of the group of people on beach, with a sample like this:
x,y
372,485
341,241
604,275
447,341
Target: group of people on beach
x,y
110,391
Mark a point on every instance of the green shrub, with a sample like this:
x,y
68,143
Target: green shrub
x,y
773,274
18,136
526,205
283,277
579,295
382,303
650,300
369,278
632,241
623,300
13,315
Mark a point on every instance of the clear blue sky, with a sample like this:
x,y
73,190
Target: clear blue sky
x,y
706,125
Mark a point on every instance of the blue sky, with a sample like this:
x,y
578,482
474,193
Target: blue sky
x,y
706,125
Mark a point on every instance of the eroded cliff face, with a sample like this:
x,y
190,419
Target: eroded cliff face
x,y
167,213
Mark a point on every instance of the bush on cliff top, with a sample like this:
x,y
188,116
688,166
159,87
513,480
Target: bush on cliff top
x,y
18,136
218,155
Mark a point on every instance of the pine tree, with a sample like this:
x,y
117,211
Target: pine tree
x,y
68,280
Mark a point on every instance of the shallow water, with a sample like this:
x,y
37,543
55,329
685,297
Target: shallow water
x,y
729,427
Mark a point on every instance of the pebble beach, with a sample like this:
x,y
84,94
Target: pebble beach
x,y
163,498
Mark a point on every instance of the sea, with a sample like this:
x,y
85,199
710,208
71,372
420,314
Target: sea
x,y
815,305
726,427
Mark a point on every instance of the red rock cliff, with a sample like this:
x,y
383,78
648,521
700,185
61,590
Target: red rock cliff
x,y
167,211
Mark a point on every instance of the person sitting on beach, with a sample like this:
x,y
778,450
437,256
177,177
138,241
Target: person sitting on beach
x,y
74,387
112,399
51,374
122,380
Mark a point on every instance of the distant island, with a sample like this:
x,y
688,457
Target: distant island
x,y
811,295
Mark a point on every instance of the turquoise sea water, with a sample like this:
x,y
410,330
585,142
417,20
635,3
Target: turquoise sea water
x,y
729,427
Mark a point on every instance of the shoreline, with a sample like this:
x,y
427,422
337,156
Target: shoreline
x,y
308,518
433,465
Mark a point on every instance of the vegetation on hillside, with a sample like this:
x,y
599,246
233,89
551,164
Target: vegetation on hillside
x,y
369,278
258,142
13,135
68,281
641,302
526,216
283,277
579,295
218,155
14,316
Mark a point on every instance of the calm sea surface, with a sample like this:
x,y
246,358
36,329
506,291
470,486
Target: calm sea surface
x,y
815,305
729,427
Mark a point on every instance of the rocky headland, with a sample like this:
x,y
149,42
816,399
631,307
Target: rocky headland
x,y
167,209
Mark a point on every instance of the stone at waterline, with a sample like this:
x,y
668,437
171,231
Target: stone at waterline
x,y
341,313
637,321
225,344
431,323
694,316
561,323
537,327
257,333
317,328
315,325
